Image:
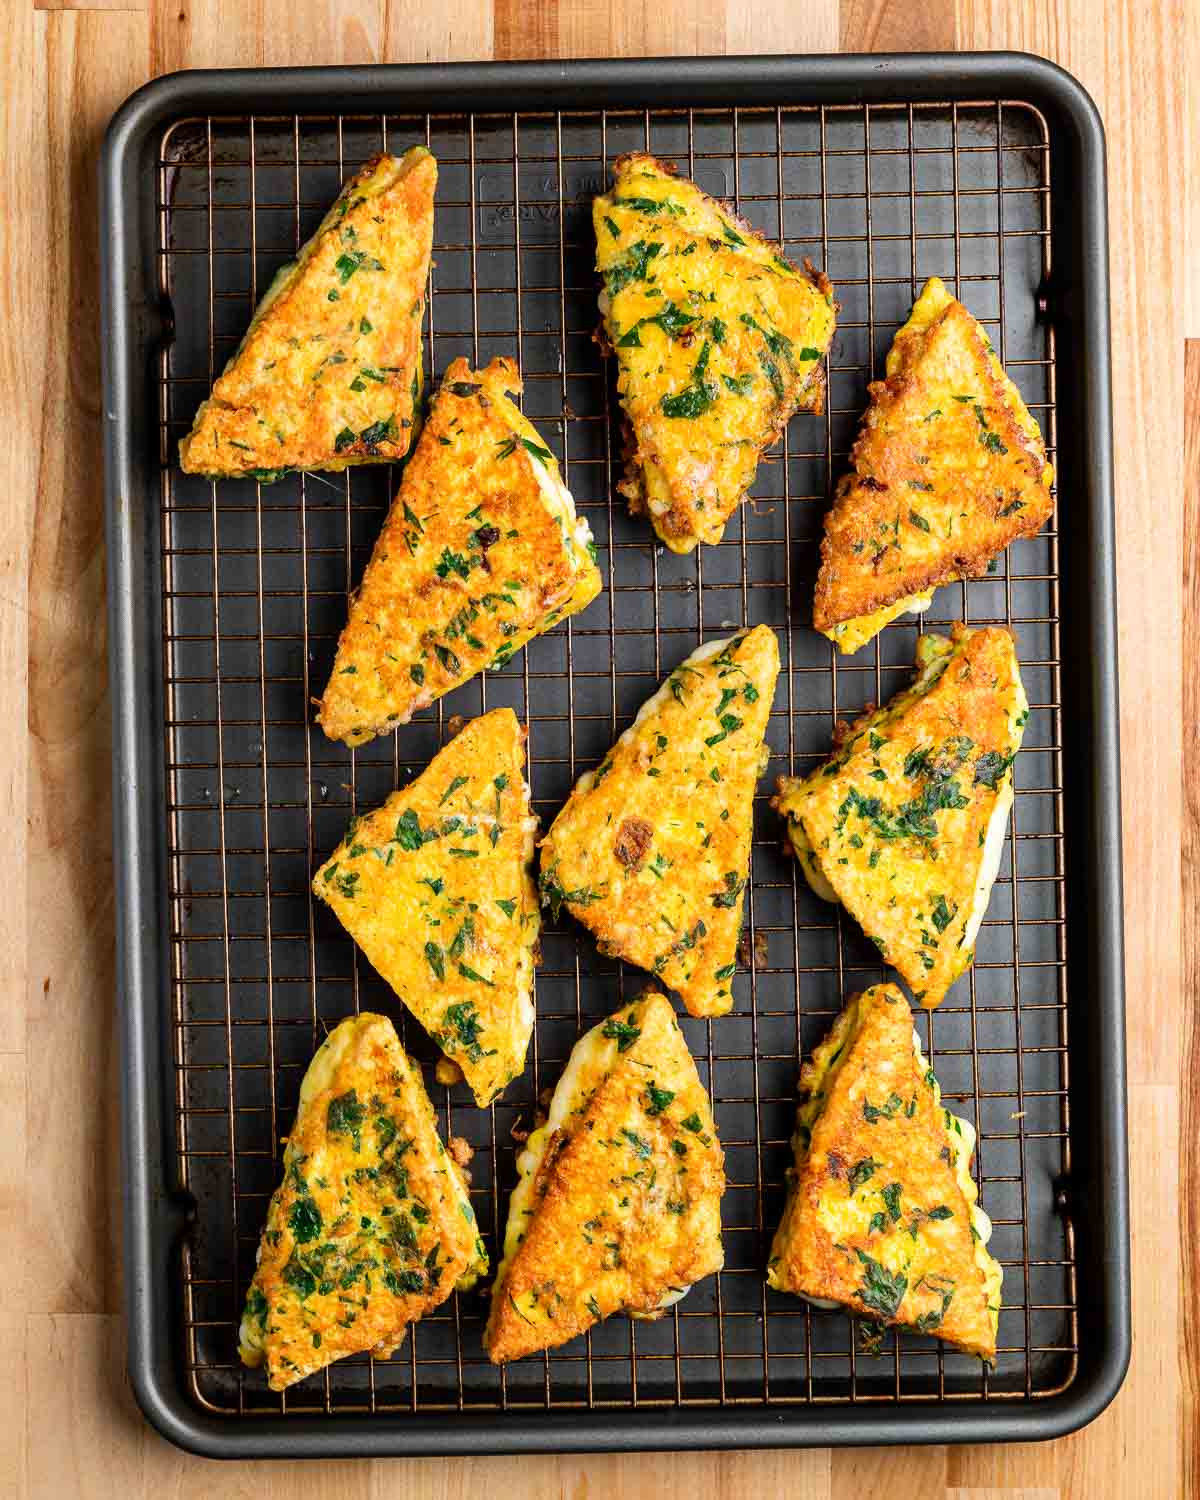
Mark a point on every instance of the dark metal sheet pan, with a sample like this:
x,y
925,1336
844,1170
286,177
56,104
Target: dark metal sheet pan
x,y
225,601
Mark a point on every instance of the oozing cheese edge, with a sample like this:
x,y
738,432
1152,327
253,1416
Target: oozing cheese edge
x,y
658,699
252,1349
993,847
523,1006
561,504
849,635
591,1059
577,534
961,1135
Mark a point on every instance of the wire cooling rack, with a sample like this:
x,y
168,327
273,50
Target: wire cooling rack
x,y
254,586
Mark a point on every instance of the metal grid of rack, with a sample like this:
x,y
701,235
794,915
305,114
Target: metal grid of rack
x,y
254,584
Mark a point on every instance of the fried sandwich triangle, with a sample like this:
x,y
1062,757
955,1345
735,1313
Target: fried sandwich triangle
x,y
372,1225
904,825
618,1202
481,551
881,1215
652,850
949,468
718,339
436,888
329,372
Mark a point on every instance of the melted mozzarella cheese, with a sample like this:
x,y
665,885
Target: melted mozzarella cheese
x,y
993,847
989,868
810,864
524,978
851,634
558,498
962,1138
658,498
658,699
251,1349
561,504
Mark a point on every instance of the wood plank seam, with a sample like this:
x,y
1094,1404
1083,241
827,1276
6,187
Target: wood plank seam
x,y
1189,1116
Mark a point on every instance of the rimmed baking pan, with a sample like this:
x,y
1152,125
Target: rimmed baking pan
x,y
225,603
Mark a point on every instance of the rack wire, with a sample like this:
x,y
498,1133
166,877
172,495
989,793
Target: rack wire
x,y
254,585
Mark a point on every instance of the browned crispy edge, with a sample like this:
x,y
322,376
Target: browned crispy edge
x,y
971,563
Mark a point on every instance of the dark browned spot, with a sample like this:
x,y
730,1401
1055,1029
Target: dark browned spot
x,y
461,1150
759,948
632,841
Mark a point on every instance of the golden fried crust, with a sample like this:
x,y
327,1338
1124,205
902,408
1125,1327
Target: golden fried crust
x,y
876,1218
949,468
329,371
897,821
479,553
371,1226
652,850
627,1198
718,340
655,189
436,888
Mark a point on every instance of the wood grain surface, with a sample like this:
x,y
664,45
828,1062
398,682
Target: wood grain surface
x,y
1189,1138
70,1426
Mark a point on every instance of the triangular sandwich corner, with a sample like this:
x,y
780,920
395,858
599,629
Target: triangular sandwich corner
x,y
882,1215
436,888
328,374
372,1225
617,1207
652,850
905,823
949,467
481,550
